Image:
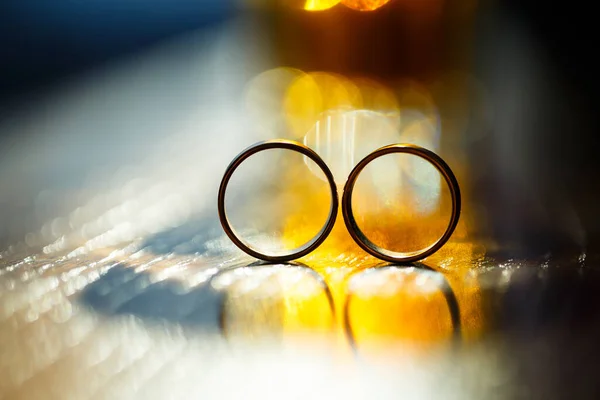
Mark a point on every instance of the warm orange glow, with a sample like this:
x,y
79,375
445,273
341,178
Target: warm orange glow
x,y
287,103
416,316
376,96
364,5
311,94
399,303
341,119
343,136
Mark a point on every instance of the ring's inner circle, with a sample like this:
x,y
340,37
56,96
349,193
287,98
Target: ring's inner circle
x,y
275,204
401,203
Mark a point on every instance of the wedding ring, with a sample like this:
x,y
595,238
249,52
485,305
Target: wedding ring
x,y
363,241
307,247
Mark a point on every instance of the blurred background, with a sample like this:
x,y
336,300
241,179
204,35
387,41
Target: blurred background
x,y
118,118
512,83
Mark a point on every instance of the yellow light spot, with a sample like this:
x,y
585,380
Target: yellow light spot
x,y
364,5
319,5
311,94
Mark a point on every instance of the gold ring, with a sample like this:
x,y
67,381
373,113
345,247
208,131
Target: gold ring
x,y
315,241
361,239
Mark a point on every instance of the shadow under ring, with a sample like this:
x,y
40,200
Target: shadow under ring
x,y
305,248
363,241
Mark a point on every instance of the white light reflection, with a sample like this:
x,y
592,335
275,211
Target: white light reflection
x,y
342,137
388,281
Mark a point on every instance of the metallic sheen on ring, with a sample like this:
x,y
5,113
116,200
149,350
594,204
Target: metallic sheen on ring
x,y
288,145
361,239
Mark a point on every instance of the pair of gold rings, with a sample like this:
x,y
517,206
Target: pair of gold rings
x,y
359,237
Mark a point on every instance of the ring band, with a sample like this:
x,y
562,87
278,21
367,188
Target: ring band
x,y
288,145
361,239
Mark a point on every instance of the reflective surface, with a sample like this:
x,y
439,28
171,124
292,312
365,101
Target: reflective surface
x,y
130,323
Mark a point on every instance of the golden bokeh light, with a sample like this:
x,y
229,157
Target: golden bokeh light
x,y
319,5
287,103
311,94
376,96
364,5
344,136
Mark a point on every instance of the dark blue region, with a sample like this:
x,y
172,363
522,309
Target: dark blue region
x,y
45,40
122,291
